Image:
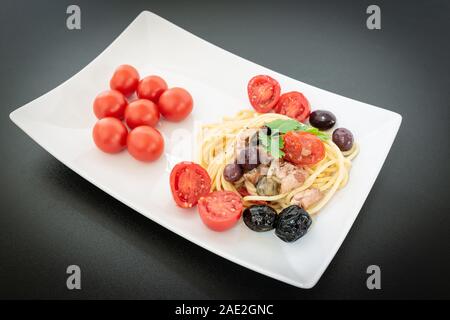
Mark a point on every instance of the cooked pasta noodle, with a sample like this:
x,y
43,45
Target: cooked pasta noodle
x,y
218,143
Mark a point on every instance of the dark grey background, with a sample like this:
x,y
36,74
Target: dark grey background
x,y
52,218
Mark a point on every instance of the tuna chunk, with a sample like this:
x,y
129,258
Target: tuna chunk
x,y
290,176
307,198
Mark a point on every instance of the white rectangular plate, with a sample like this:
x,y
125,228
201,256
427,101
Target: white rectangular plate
x,y
61,122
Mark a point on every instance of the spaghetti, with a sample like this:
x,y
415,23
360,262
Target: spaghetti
x,y
218,144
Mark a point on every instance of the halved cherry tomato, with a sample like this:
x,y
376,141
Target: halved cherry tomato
x,y
110,135
175,104
263,92
302,148
294,105
220,210
110,103
151,88
141,112
145,143
125,79
188,183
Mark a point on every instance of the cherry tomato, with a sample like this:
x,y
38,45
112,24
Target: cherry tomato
x,y
175,104
263,92
145,143
151,88
110,103
141,112
110,135
294,105
125,79
188,183
302,148
220,210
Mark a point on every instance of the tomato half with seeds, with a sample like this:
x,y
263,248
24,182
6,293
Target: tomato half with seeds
x,y
220,210
188,183
263,92
303,148
294,105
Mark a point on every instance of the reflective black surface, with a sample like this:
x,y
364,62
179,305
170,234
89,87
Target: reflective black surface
x,y
52,218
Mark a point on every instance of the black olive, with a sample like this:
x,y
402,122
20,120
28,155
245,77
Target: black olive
x,y
248,158
343,138
232,172
260,218
292,223
322,119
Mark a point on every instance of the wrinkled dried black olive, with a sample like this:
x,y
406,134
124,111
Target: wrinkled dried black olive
x,y
292,223
260,218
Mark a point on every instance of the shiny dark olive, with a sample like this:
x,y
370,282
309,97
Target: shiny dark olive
x,y
248,158
232,172
260,218
343,138
322,120
293,223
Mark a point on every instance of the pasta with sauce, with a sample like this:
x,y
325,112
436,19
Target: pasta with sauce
x,y
219,146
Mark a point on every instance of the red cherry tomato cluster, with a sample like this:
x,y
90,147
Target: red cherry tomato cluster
x,y
264,95
190,185
111,107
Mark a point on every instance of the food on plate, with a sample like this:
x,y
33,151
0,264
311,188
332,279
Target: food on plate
x,y
286,158
145,143
270,164
188,183
175,104
274,161
322,119
263,92
151,88
260,218
292,223
110,103
141,112
294,105
220,210
343,138
125,79
110,135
